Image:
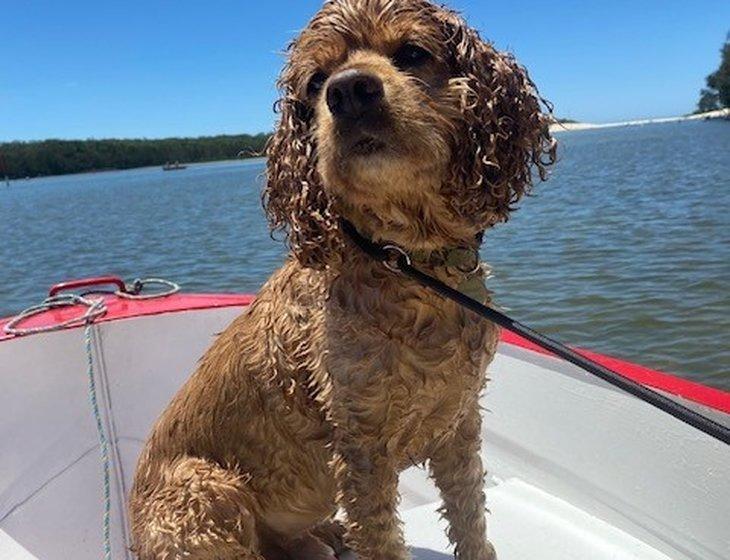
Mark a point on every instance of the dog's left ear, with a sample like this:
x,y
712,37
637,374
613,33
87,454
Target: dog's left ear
x,y
294,197
505,127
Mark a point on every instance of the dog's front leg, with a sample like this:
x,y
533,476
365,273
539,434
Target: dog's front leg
x,y
456,467
368,484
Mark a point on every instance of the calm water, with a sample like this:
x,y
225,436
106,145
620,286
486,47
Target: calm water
x,y
626,250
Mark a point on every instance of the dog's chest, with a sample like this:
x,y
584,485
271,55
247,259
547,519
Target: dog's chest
x,y
404,363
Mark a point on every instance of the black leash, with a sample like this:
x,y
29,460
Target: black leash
x,y
398,260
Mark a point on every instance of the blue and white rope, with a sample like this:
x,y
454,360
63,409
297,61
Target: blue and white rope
x,y
95,308
103,442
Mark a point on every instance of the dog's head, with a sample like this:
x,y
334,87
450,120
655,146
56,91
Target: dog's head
x,y
397,116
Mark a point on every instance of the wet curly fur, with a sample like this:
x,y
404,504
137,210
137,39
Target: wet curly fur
x,y
341,373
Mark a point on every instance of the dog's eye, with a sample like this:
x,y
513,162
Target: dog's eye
x,y
316,83
411,56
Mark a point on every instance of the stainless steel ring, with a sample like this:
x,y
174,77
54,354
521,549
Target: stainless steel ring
x,y
139,285
476,269
400,253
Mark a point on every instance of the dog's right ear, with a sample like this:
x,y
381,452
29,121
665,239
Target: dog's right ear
x,y
294,198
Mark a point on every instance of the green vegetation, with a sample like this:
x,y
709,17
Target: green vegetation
x,y
717,93
60,157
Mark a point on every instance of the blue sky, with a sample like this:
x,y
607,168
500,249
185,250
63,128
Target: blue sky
x,y
83,69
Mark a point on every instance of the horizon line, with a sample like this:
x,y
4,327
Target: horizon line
x,y
608,123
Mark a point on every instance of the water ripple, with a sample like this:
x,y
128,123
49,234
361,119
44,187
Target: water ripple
x,y
626,250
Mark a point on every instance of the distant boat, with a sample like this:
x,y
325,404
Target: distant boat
x,y
173,166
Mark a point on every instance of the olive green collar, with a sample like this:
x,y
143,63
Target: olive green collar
x,y
463,259
461,262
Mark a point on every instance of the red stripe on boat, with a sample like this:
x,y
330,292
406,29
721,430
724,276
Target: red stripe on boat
x,y
696,392
118,308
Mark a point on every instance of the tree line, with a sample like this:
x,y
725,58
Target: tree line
x,y
717,93
60,157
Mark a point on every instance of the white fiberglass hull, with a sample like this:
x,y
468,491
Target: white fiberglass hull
x,y
577,469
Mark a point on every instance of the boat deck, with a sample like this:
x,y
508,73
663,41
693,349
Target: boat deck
x,y
528,522
577,469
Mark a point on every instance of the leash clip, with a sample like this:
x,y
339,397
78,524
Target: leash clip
x,y
396,254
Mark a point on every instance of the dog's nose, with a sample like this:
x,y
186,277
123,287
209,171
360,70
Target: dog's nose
x,y
352,94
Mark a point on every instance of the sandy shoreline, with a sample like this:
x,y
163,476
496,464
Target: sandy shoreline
x,y
567,127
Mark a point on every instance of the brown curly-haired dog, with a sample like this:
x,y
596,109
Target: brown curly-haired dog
x,y
396,116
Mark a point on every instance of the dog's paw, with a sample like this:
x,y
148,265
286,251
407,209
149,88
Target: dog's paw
x,y
332,533
309,548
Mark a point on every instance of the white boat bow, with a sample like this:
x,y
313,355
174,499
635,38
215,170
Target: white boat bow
x,y
577,469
